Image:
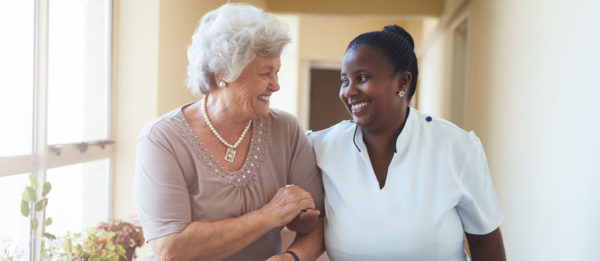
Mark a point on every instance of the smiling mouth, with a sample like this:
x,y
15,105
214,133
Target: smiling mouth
x,y
359,106
264,97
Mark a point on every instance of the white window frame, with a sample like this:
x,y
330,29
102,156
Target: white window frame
x,y
46,156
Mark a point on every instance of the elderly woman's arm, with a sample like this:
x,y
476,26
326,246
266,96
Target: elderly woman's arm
x,y
487,247
219,240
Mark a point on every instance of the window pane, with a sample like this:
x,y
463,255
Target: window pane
x,y
77,97
14,227
78,197
16,79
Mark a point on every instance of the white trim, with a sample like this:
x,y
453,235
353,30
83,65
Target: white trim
x,y
304,99
59,155
40,114
109,96
16,165
74,153
445,22
466,21
325,65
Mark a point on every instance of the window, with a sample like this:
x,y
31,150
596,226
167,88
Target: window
x,y
55,108
16,87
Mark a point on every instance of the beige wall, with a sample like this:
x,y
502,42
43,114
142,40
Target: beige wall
x,y
287,97
539,116
325,38
135,90
532,101
178,19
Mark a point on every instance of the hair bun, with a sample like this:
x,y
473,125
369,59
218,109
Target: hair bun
x,y
395,29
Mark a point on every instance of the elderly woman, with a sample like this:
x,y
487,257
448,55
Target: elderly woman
x,y
217,179
411,185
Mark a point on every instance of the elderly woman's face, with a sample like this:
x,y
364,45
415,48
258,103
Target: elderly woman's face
x,y
254,86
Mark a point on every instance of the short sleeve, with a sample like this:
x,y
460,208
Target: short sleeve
x,y
303,170
159,190
478,208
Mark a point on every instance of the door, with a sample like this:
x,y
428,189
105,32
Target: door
x,y
326,109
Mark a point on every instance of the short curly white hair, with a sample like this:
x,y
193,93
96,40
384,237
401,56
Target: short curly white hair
x,y
227,39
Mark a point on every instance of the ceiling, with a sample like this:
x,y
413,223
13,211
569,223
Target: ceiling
x,y
431,8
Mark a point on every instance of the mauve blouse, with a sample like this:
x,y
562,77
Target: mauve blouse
x,y
177,181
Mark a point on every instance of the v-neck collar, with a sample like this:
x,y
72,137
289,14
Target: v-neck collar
x,y
402,143
402,140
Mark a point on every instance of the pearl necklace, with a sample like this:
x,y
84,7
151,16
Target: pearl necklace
x,y
230,153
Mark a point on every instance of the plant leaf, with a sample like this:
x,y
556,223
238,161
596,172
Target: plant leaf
x,y
25,208
39,205
29,194
46,189
33,181
34,224
48,221
67,245
49,236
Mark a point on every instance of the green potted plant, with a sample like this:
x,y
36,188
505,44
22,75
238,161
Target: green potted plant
x,y
109,241
32,203
116,241
127,235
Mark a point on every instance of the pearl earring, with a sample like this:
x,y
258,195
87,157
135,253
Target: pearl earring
x,y
222,84
401,93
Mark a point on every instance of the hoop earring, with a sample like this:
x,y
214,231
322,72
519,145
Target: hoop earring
x,y
401,93
222,84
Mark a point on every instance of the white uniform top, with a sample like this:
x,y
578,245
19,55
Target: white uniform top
x,y
438,186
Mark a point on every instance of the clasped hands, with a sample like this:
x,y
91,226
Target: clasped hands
x,y
295,208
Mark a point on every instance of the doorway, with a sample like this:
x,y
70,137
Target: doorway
x,y
326,109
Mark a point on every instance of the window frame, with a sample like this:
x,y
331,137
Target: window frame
x,y
44,155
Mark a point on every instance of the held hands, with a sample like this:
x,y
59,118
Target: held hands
x,y
287,203
306,222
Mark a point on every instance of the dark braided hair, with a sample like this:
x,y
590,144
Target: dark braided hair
x,y
397,46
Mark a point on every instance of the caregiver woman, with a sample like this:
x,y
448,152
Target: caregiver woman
x,y
399,184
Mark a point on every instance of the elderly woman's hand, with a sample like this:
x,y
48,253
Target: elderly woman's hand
x,y
305,222
287,203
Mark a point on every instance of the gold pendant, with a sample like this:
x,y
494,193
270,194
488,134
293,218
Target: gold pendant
x,y
230,155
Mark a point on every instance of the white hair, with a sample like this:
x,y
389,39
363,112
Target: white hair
x,y
227,39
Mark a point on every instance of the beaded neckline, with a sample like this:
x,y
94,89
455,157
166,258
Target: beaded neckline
x,y
231,148
248,173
